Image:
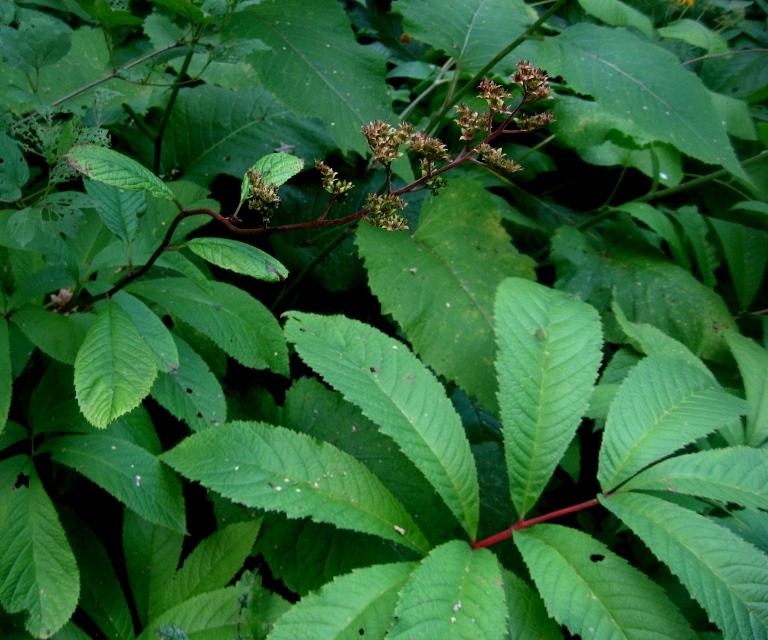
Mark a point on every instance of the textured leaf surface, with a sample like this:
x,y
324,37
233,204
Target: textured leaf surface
x,y
382,377
212,564
152,329
472,32
644,82
663,404
114,369
695,33
316,67
361,603
594,592
728,576
128,472
549,352
54,334
440,283
753,366
238,323
118,209
618,14
239,257
528,618
746,253
737,474
6,377
275,168
113,168
38,572
191,392
279,470
455,593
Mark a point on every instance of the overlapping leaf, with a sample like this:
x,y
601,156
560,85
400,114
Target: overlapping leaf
x,y
275,168
279,470
663,404
728,576
549,353
117,208
594,592
152,329
753,366
746,253
54,334
528,618
6,377
382,377
618,14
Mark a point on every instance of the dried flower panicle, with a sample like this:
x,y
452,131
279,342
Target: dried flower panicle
x,y
331,184
494,94
263,196
535,121
385,140
384,212
430,148
533,80
470,122
496,159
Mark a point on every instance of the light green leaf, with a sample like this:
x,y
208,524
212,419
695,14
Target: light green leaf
x,y
151,554
117,208
455,593
550,348
6,373
38,573
470,31
128,472
152,329
440,283
113,168
695,33
191,392
645,83
212,564
746,253
736,474
382,377
114,369
239,257
618,14
238,323
275,168
54,334
752,360
316,66
361,603
736,115
594,592
663,404
725,574
275,469
528,618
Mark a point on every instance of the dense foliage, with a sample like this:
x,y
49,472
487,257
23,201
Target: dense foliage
x,y
336,320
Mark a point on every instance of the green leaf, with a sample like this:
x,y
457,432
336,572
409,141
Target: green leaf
x,y
594,592
128,472
107,16
662,225
695,33
645,83
455,593
186,9
618,14
117,208
361,603
663,404
14,171
233,128
440,283
696,230
316,66
746,253
528,618
6,374
151,554
275,168
212,564
470,31
238,323
239,257
191,392
275,469
114,369
736,474
550,348
38,573
113,168
54,334
752,360
727,576
382,377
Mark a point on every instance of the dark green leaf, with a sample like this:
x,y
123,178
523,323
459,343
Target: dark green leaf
x,y
239,257
54,334
528,618
14,171
752,360
6,377
118,208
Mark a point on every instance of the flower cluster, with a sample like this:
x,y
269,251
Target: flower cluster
x,y
496,159
384,212
533,80
494,94
535,121
430,148
263,196
338,188
470,122
385,140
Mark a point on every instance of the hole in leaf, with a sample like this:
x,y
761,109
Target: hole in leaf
x,y
189,390
597,557
361,632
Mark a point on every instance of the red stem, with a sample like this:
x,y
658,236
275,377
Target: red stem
x,y
524,524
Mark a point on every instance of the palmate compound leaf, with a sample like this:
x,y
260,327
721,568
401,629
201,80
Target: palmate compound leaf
x,y
272,468
663,404
736,474
725,574
111,167
239,257
38,572
752,360
397,392
549,352
358,604
114,369
455,593
594,592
